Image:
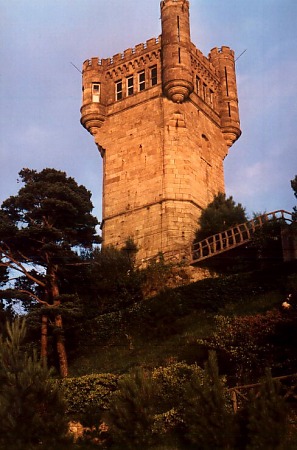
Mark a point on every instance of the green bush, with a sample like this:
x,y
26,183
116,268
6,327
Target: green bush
x,y
252,343
172,381
88,396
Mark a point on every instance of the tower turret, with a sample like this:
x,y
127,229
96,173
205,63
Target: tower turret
x,y
176,60
93,110
223,61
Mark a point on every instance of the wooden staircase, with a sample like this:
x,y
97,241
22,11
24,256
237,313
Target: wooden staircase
x,y
235,236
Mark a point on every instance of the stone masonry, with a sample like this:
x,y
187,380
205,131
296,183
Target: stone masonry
x,y
163,117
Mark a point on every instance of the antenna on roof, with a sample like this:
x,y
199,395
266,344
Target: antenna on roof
x,y
240,54
75,67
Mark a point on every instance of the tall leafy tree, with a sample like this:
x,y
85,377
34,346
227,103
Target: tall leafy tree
x,y
222,213
42,230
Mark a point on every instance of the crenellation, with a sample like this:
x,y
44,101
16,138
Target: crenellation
x,y
128,53
151,43
202,60
117,58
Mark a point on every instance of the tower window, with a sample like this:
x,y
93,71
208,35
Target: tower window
x,y
130,85
119,90
141,81
204,91
226,80
154,76
198,85
211,97
96,92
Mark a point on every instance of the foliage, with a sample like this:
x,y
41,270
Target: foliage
x,y
208,417
222,213
31,408
88,396
113,282
267,418
204,416
252,343
172,381
155,276
267,241
41,229
294,187
132,411
44,224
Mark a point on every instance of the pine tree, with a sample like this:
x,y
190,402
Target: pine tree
x,y
222,213
32,410
41,230
208,417
267,418
131,414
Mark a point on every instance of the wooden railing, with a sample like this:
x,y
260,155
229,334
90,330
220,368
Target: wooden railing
x,y
235,236
240,394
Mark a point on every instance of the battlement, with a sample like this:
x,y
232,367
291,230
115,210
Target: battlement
x,y
199,56
173,3
126,55
224,50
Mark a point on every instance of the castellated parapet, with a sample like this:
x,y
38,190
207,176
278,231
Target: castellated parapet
x,y
163,117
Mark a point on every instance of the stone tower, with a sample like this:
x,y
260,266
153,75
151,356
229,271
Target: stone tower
x,y
163,117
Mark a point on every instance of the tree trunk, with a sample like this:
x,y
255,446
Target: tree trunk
x,y
61,350
44,329
63,364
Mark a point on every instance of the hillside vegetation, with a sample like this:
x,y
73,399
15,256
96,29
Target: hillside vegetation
x,y
178,324
170,337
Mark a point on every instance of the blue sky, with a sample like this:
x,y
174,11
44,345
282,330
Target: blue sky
x,y
40,90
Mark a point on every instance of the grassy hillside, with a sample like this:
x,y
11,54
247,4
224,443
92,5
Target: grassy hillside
x,y
178,324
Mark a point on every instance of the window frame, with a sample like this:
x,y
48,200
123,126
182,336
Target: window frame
x,y
204,91
154,77
198,85
141,83
119,90
211,98
129,87
96,93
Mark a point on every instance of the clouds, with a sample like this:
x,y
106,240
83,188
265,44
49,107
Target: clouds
x,y
40,91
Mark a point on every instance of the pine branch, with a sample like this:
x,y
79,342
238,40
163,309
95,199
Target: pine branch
x,y
42,302
18,266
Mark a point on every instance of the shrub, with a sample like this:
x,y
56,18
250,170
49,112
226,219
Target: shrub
x,y
247,342
88,396
172,381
